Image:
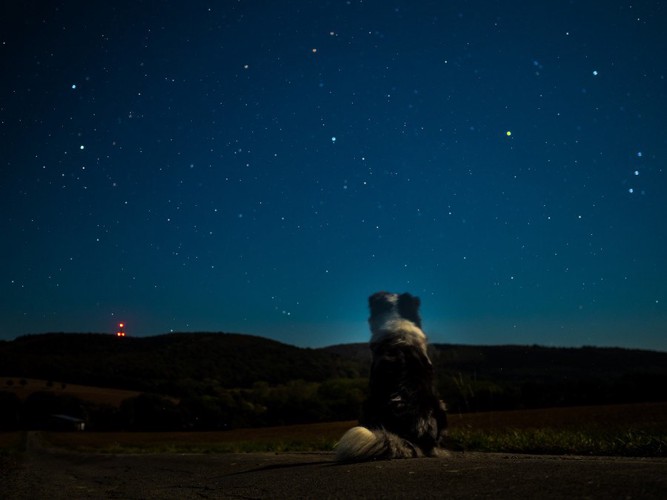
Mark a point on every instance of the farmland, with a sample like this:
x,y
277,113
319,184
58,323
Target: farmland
x,y
24,387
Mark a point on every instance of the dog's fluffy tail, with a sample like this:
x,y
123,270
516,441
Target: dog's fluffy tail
x,y
359,444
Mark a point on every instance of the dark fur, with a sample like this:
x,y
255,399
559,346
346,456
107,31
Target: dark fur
x,y
403,417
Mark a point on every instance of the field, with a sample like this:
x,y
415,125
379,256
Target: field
x,y
621,430
23,387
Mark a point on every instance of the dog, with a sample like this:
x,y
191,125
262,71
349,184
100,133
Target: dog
x,y
402,416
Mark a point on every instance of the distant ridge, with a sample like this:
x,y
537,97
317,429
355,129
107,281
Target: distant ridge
x,y
161,363
469,377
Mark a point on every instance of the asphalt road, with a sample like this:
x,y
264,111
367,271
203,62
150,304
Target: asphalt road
x,y
51,474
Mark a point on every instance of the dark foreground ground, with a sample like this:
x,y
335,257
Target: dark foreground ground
x,y
41,473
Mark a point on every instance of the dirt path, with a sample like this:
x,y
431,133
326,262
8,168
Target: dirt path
x,y
42,473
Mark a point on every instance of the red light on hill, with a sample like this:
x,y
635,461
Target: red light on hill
x,y
121,330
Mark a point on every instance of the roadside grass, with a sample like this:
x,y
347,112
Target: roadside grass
x,y
292,438
136,444
616,430
596,442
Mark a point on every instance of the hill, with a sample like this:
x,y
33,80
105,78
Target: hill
x,y
479,378
166,364
223,380
203,381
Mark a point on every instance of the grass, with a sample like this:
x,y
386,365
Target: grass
x,y
617,430
563,442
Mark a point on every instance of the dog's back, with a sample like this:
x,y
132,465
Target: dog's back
x,y
401,397
403,416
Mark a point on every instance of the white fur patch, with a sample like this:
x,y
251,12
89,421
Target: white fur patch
x,y
393,329
356,442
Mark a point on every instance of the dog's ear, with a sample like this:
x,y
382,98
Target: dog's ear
x,y
378,303
408,308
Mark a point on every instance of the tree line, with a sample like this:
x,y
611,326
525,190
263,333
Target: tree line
x,y
295,402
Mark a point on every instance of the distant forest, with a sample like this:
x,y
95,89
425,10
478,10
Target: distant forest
x,y
209,381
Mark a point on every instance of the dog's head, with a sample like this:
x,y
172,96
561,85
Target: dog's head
x,y
387,305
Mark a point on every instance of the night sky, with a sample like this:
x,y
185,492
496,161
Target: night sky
x,y
263,166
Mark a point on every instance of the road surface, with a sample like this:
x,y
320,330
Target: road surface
x,y
41,473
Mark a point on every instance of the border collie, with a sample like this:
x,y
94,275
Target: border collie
x,y
403,416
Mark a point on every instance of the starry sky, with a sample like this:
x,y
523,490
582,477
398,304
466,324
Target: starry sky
x,y
263,166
